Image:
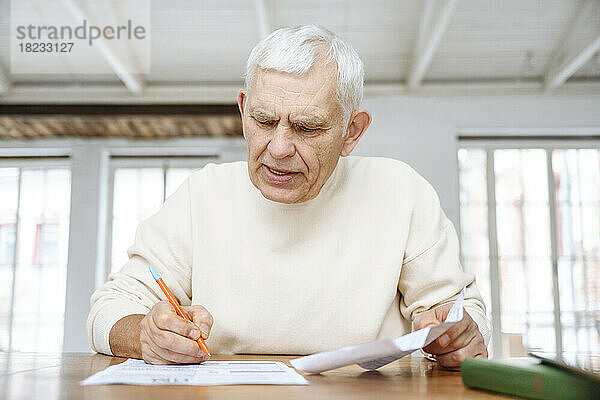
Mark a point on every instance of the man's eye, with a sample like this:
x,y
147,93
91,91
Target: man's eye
x,y
305,129
265,123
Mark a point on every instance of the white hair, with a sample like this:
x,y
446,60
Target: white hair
x,y
295,49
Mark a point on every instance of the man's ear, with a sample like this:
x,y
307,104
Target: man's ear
x,y
358,124
241,100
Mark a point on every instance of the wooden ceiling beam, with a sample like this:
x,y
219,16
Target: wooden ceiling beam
x,y
579,43
120,66
119,126
435,17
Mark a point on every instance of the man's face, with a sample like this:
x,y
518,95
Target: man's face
x,y
294,133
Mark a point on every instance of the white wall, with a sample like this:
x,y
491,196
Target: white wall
x,y
423,131
418,133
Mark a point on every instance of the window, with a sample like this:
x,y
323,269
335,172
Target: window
x,y
530,230
34,234
139,192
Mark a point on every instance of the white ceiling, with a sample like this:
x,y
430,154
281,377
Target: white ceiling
x,y
206,42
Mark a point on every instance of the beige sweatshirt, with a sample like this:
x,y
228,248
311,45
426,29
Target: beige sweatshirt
x,y
355,264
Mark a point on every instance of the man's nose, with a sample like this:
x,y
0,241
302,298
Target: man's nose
x,y
281,145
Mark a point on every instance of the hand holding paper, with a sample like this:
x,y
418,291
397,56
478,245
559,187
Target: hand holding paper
x,y
381,352
461,341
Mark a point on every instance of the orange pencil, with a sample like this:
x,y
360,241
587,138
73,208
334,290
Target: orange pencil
x,y
175,304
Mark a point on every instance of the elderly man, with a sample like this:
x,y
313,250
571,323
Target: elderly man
x,y
300,249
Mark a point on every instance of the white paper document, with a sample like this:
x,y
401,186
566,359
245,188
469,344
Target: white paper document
x,y
381,352
137,372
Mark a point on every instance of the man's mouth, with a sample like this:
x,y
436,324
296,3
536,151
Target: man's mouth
x,y
279,176
279,172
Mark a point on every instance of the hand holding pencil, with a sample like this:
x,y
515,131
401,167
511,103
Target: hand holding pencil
x,y
168,337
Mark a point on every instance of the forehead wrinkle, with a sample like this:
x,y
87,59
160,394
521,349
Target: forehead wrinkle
x,y
327,84
279,96
282,91
313,99
264,101
294,82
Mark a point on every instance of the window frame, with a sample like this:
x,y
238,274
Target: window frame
x,y
28,162
134,162
89,160
548,143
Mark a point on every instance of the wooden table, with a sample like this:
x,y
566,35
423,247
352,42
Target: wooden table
x,y
34,376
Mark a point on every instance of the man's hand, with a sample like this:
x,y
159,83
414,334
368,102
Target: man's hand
x,y
166,338
463,340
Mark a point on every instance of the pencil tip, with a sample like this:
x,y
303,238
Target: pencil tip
x,y
155,274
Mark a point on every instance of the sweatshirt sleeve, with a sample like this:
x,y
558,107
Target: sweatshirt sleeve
x,y
432,274
164,241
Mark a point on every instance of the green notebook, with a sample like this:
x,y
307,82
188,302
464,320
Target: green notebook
x,y
530,378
